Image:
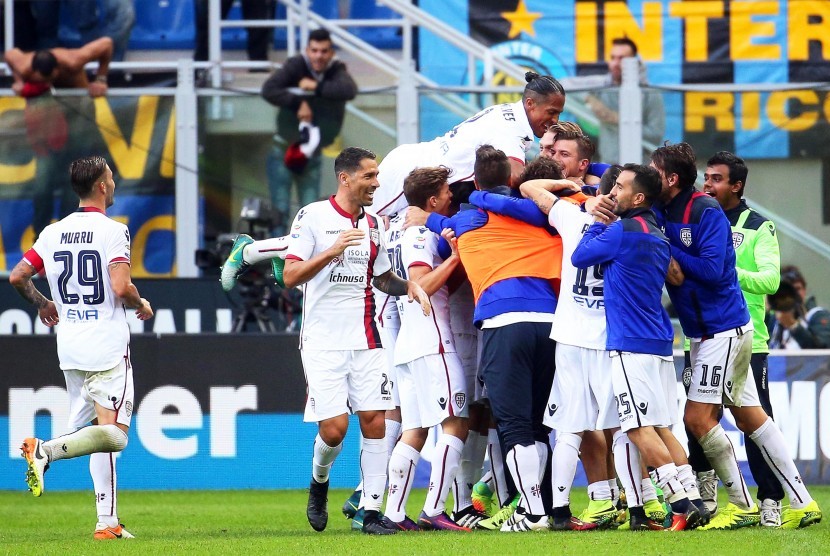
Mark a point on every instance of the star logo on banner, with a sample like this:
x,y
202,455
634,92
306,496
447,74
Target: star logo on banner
x,y
521,20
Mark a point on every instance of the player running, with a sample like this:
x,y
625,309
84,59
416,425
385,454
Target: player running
x,y
86,259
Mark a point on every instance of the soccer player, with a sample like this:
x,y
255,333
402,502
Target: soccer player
x,y
714,315
86,259
431,379
572,149
507,127
337,252
759,273
567,144
635,258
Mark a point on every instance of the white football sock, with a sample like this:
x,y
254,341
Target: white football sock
x,y
324,456
719,451
563,462
265,250
627,464
777,455
359,487
402,465
599,491
649,490
104,480
686,476
393,433
445,461
373,462
542,449
666,478
497,466
614,488
523,463
88,440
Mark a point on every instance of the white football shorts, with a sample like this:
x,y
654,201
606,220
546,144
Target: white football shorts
x,y
111,389
341,381
720,369
432,389
645,390
466,346
388,337
581,398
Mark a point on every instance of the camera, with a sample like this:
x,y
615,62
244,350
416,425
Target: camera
x,y
258,294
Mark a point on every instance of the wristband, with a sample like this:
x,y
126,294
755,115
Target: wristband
x,y
101,79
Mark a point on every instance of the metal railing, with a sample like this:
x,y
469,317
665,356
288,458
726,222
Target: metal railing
x,y
300,18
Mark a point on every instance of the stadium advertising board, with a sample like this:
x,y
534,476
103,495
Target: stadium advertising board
x,y
223,411
41,136
181,305
717,41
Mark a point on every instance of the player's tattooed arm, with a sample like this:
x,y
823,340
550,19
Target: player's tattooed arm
x,y
21,279
541,197
390,283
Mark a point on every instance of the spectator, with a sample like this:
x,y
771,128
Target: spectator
x,y
35,72
105,18
799,322
93,19
48,131
605,105
258,37
311,90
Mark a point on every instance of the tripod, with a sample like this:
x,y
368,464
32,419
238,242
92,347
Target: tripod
x,y
255,310
257,299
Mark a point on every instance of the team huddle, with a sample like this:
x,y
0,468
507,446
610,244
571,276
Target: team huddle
x,y
454,284
531,269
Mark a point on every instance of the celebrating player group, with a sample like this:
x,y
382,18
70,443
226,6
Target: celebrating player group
x,y
544,282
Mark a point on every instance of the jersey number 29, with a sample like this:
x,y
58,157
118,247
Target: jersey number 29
x,y
89,275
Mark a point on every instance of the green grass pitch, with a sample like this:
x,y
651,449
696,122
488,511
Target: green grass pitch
x,y
253,522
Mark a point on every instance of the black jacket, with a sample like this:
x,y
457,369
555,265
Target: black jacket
x,y
328,102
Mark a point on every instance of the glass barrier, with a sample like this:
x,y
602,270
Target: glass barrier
x,y
40,138
241,163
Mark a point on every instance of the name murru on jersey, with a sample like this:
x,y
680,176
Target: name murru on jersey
x,y
76,237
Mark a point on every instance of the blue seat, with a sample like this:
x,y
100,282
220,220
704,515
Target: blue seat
x,y
163,25
158,25
326,8
380,37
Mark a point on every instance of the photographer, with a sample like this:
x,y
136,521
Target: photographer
x,y
798,324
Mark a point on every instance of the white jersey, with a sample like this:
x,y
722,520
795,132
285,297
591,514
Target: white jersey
x,y
76,252
504,126
388,315
339,310
580,310
421,335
